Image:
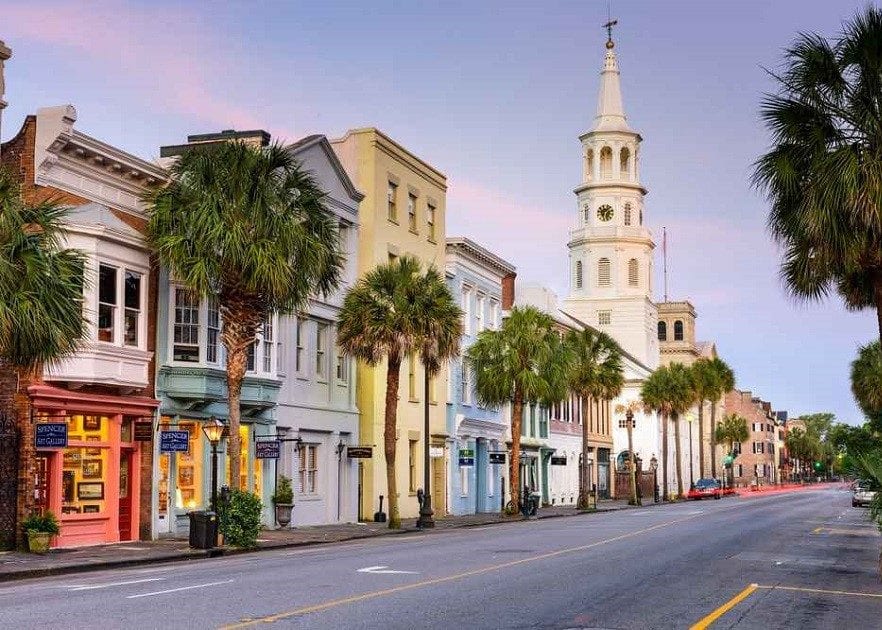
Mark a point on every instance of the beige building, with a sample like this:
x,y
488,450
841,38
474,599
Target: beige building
x,y
403,212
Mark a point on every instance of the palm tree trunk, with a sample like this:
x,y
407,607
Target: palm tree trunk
x,y
514,464
701,439
677,449
632,472
584,481
21,402
664,420
877,299
237,360
390,437
713,439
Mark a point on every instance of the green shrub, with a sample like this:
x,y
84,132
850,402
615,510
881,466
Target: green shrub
x,y
240,519
46,523
284,492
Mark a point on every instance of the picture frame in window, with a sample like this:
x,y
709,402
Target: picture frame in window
x,y
91,509
91,423
74,437
93,452
70,509
185,476
90,490
72,458
67,486
93,469
187,496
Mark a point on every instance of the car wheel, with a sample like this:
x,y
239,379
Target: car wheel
x,y
716,496
854,504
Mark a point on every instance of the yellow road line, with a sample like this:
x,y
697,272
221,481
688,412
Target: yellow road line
x,y
818,530
804,589
449,578
705,622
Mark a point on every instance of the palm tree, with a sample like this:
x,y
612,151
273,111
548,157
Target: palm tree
x,y
41,305
596,373
822,175
669,392
732,430
249,227
866,381
724,382
396,310
523,362
706,381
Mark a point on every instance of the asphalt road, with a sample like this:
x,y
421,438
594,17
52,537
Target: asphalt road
x,y
802,560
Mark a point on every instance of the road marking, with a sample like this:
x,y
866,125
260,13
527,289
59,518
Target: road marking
x,y
846,532
175,590
92,587
817,530
804,589
706,621
382,568
448,578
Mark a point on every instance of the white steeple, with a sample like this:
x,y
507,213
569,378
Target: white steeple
x,y
610,247
610,113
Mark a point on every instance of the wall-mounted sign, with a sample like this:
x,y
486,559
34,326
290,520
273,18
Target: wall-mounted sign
x,y
436,451
466,457
267,449
174,441
497,457
143,431
50,435
558,461
360,452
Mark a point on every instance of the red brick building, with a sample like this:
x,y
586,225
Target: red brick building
x,y
755,457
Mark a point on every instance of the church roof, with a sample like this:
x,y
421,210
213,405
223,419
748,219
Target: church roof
x,y
610,111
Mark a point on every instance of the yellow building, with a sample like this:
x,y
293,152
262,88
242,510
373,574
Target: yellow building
x,y
402,213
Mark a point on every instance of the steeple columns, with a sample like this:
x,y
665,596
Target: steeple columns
x,y
609,158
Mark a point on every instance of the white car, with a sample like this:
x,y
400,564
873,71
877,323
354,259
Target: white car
x,y
862,495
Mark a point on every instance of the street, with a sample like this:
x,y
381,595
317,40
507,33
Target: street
x,y
812,556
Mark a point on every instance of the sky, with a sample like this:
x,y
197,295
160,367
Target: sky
x,y
495,95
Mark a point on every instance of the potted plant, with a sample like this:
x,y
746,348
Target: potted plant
x,y
40,529
283,499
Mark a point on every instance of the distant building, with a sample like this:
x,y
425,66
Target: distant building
x,y
754,462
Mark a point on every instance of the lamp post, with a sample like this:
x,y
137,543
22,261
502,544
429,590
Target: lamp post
x,y
653,466
214,431
425,520
634,499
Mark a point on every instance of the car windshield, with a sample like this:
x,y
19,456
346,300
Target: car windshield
x,y
706,483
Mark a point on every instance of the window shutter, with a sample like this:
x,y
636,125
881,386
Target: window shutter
x,y
603,272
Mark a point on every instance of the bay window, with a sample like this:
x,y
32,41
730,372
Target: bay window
x,y
106,302
132,303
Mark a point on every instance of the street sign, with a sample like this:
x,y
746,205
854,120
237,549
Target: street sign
x,y
558,461
267,449
466,457
143,431
497,457
174,441
360,452
50,435
436,451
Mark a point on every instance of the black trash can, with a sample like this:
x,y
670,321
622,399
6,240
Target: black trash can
x,y
203,530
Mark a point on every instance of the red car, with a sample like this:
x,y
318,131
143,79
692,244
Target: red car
x,y
705,489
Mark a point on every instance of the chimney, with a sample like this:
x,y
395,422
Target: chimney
x,y
508,291
5,53
256,137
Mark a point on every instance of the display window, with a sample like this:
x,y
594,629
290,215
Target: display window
x,y
85,464
180,474
244,462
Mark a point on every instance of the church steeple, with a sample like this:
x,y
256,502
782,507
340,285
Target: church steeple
x,y
610,112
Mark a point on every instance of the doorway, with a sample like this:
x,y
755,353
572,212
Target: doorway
x,y
125,494
439,487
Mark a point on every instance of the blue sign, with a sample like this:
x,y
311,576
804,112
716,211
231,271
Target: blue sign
x,y
267,449
50,435
174,441
466,457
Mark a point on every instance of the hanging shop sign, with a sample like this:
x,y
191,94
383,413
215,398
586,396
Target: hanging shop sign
x,y
436,451
497,457
174,441
466,457
267,449
359,452
558,461
50,435
143,431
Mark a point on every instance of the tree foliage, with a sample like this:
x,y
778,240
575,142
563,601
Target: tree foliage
x,y
866,382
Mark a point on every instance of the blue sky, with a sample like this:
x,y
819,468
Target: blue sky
x,y
495,94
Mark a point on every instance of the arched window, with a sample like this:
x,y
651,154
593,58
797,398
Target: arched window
x,y
625,163
627,214
606,163
603,272
633,272
589,165
578,274
678,330
662,331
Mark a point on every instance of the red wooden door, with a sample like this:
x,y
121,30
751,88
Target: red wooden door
x,y
125,495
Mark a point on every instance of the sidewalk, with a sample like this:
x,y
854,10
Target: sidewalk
x,y
18,566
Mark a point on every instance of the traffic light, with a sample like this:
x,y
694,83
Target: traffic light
x,y
817,465
728,460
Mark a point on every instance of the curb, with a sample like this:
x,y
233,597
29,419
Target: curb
x,y
196,555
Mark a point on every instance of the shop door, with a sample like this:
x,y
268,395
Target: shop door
x,y
439,487
125,495
481,475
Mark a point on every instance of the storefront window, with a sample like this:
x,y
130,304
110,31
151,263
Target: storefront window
x,y
244,463
189,469
85,462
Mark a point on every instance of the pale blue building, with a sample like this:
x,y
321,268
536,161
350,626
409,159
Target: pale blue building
x,y
477,435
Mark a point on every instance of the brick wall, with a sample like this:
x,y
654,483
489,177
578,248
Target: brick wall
x,y
761,430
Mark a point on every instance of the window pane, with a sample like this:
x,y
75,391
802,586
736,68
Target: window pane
x,y
186,328
106,302
133,290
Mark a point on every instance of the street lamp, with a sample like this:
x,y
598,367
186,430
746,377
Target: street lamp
x,y
425,520
214,431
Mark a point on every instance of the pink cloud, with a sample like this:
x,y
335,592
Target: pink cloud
x,y
167,55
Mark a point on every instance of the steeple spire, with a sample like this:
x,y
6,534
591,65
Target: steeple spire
x,y
610,113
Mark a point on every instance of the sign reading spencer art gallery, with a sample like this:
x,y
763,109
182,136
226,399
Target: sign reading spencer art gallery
x,y
50,435
174,441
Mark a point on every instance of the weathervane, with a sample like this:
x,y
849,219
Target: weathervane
x,y
609,26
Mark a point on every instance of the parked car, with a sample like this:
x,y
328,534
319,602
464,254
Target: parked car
x,y
705,489
862,493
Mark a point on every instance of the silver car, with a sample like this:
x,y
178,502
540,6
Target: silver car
x,y
862,495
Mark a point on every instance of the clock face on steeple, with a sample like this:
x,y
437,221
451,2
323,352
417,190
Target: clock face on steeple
x,y
605,212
